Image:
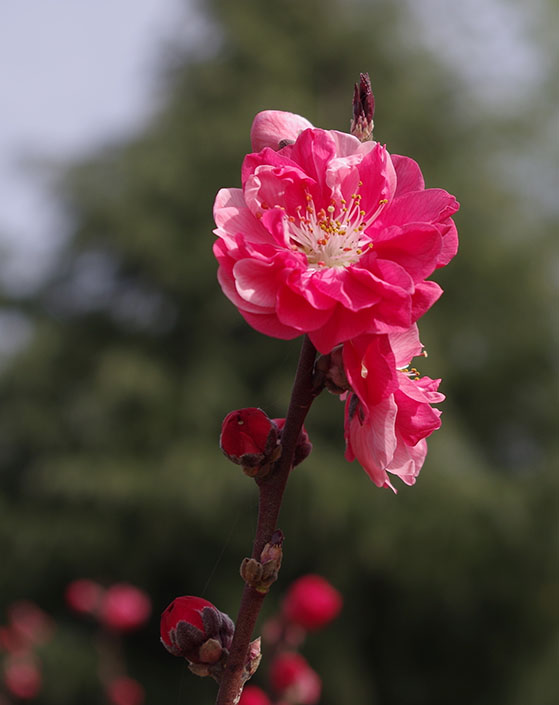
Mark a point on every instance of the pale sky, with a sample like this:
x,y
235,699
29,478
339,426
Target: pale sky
x,y
72,74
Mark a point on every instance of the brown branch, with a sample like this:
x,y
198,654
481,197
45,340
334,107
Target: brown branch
x,y
271,492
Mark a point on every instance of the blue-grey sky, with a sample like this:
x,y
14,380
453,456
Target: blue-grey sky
x,y
72,74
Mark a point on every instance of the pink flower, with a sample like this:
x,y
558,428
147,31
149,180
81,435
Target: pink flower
x,y
388,413
22,676
293,678
312,602
84,596
193,628
29,625
253,695
125,607
329,236
125,691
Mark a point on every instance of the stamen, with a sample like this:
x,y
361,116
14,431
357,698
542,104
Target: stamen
x,y
332,236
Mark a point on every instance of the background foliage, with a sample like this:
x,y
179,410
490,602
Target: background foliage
x,y
110,415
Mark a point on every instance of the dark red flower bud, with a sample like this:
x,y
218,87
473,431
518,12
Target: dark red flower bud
x,y
311,602
293,678
194,629
253,695
363,109
249,438
304,446
124,607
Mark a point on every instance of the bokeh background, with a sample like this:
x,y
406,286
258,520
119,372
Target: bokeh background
x,y
120,357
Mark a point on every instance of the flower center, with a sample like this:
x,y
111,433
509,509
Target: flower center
x,y
332,236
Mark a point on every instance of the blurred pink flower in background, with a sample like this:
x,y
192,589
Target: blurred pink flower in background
x,y
84,596
124,607
22,676
253,695
125,691
312,602
292,678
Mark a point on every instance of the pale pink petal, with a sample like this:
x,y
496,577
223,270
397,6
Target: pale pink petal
x,y
405,345
270,127
233,217
256,282
373,442
407,461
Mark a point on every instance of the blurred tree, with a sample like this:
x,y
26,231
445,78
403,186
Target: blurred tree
x,y
111,413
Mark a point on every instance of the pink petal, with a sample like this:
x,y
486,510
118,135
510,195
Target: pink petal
x,y
373,443
270,127
232,217
449,246
416,420
425,295
378,178
430,206
405,345
370,368
408,175
414,247
257,282
408,461
268,324
295,311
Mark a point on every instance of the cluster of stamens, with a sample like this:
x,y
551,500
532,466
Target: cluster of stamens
x,y
333,236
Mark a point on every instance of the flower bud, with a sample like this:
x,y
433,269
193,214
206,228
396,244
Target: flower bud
x,y
311,602
304,446
124,607
332,371
249,438
260,575
293,678
194,629
363,109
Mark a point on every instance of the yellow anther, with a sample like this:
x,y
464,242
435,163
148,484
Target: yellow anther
x,y
383,201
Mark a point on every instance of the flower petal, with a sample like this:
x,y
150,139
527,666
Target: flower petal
x,y
270,127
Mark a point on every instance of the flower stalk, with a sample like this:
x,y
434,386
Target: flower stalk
x,y
271,489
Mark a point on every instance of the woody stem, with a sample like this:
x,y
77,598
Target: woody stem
x,y
271,489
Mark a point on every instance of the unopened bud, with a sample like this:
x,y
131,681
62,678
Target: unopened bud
x,y
194,629
251,439
363,109
331,368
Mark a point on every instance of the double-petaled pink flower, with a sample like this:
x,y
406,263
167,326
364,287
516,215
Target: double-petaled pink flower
x,y
388,412
328,235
